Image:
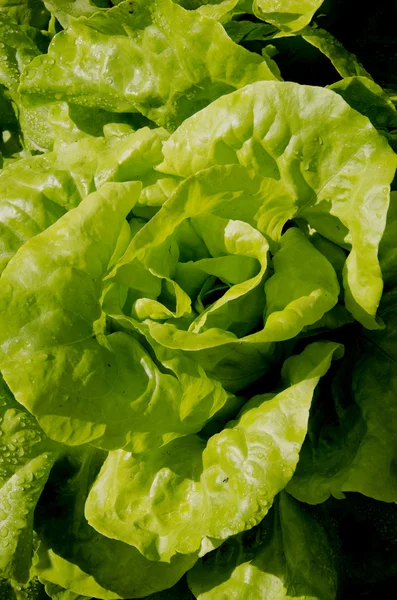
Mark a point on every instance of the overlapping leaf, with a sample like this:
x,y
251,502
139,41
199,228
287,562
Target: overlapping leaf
x,y
191,493
130,59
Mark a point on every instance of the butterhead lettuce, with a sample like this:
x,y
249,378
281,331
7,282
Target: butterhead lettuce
x,y
198,267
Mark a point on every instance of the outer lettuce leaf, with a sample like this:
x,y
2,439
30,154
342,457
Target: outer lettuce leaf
x,y
64,10
26,457
25,12
225,11
81,384
19,45
60,575
37,321
191,493
41,126
110,564
368,98
180,591
18,49
150,57
247,31
33,196
335,186
35,192
288,555
344,62
71,123
351,446
56,592
287,15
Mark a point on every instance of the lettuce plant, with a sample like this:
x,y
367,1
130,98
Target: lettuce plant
x,y
197,307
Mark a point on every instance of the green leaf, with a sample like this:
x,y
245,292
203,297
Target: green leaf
x,y
19,45
288,555
56,592
53,339
76,557
10,139
287,15
192,494
18,48
71,123
351,446
329,167
303,288
368,98
25,12
246,31
66,10
26,457
37,320
154,57
35,192
225,11
64,580
160,250
344,62
33,196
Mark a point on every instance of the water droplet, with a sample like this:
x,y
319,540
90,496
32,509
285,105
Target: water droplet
x,y
51,61
4,532
30,73
109,80
5,543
